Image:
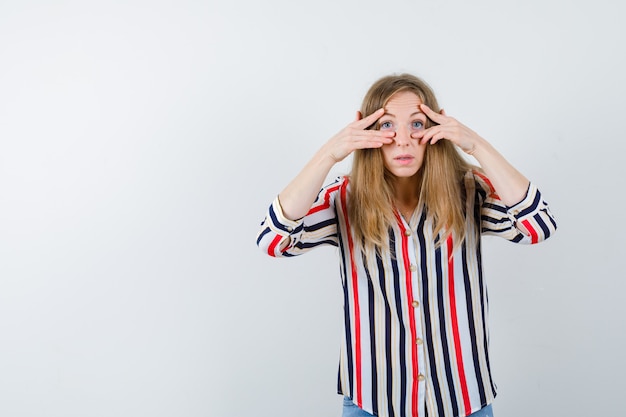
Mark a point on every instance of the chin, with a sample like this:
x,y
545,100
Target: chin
x,y
404,173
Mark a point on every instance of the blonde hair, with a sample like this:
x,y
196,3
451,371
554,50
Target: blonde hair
x,y
371,199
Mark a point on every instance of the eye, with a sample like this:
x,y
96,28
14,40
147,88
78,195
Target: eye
x,y
385,125
417,125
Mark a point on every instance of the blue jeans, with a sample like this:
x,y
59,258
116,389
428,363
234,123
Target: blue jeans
x,y
351,410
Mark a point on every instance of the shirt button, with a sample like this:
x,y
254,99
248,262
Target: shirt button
x,y
421,377
418,341
515,212
289,229
415,303
407,232
413,268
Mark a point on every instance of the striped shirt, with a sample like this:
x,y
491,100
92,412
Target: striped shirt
x,y
415,339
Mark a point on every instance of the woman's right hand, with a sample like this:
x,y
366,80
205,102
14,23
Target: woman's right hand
x,y
355,136
296,199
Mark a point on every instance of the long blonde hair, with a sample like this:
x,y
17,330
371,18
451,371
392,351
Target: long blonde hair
x,y
371,199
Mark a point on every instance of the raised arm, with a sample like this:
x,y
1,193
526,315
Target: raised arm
x,y
508,182
298,197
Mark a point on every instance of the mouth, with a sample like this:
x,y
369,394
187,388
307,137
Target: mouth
x,y
404,158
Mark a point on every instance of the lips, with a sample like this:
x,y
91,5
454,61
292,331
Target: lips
x,y
403,158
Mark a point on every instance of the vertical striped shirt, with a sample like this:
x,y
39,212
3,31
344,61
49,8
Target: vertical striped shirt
x,y
415,339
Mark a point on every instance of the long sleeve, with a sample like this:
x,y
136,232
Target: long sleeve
x,y
281,237
529,221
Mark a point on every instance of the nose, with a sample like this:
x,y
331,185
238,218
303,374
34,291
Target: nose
x,y
403,137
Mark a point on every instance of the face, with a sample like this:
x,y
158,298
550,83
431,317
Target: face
x,y
404,156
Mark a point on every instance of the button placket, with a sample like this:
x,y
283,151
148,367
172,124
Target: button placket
x,y
416,305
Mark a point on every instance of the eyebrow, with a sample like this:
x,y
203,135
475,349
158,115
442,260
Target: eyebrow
x,y
411,115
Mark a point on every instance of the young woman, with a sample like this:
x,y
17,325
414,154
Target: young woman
x,y
408,222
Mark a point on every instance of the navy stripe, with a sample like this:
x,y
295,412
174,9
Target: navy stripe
x,y
493,220
426,308
484,306
495,232
487,229
388,348
346,314
532,207
442,330
518,238
542,225
549,218
482,193
372,329
317,226
262,235
402,348
495,207
471,320
309,245
276,223
339,389
475,347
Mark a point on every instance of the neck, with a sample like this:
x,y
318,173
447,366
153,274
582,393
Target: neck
x,y
406,194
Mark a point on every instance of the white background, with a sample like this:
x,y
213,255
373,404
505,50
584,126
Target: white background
x,y
141,142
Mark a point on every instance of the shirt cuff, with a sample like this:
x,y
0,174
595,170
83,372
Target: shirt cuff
x,y
528,206
279,220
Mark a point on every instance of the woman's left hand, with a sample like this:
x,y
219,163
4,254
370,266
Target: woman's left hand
x,y
509,183
447,128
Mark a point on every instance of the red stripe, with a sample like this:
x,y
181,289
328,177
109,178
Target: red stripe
x,y
326,203
493,193
455,330
273,245
409,291
534,237
355,293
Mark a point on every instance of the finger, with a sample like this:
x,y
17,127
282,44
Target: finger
x,y
432,115
436,138
418,134
373,135
377,133
366,141
367,144
429,133
369,120
368,134
359,116
443,112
